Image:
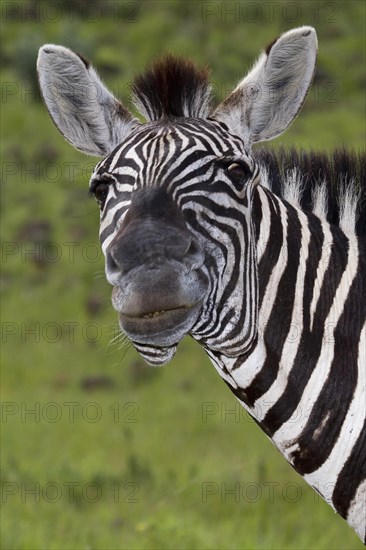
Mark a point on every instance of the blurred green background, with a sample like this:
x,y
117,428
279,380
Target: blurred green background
x,y
98,450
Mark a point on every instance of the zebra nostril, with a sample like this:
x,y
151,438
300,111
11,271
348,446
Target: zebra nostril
x,y
188,252
194,256
194,248
112,265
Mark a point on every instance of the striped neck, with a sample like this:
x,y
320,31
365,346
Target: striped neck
x,y
310,348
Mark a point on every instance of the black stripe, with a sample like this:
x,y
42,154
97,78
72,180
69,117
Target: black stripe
x,y
272,250
312,264
257,213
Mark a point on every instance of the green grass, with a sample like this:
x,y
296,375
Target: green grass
x,y
153,442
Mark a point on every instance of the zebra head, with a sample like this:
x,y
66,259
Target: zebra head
x,y
175,193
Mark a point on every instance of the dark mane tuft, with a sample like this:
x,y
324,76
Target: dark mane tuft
x,y
339,169
172,87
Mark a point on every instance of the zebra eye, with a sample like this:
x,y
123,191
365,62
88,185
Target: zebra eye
x,y
239,171
100,192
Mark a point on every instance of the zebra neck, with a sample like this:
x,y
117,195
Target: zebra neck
x,y
310,349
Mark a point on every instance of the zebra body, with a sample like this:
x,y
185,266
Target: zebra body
x,y
197,241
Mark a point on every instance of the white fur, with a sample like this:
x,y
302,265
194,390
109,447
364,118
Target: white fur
x,y
84,111
292,187
264,178
267,100
357,511
321,270
320,200
348,199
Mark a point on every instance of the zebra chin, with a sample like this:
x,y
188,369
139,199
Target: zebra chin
x,y
155,356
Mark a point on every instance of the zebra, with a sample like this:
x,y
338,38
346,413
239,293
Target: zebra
x,y
255,260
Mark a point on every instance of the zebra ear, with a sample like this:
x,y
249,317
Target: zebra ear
x,y
268,99
82,108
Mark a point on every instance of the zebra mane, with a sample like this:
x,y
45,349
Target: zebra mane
x,y
172,87
331,185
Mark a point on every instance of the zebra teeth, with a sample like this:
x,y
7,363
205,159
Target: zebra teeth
x,y
153,314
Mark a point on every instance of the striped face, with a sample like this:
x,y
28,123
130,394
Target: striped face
x,y
175,201
175,193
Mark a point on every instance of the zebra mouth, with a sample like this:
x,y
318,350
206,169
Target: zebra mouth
x,y
153,314
157,313
161,327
